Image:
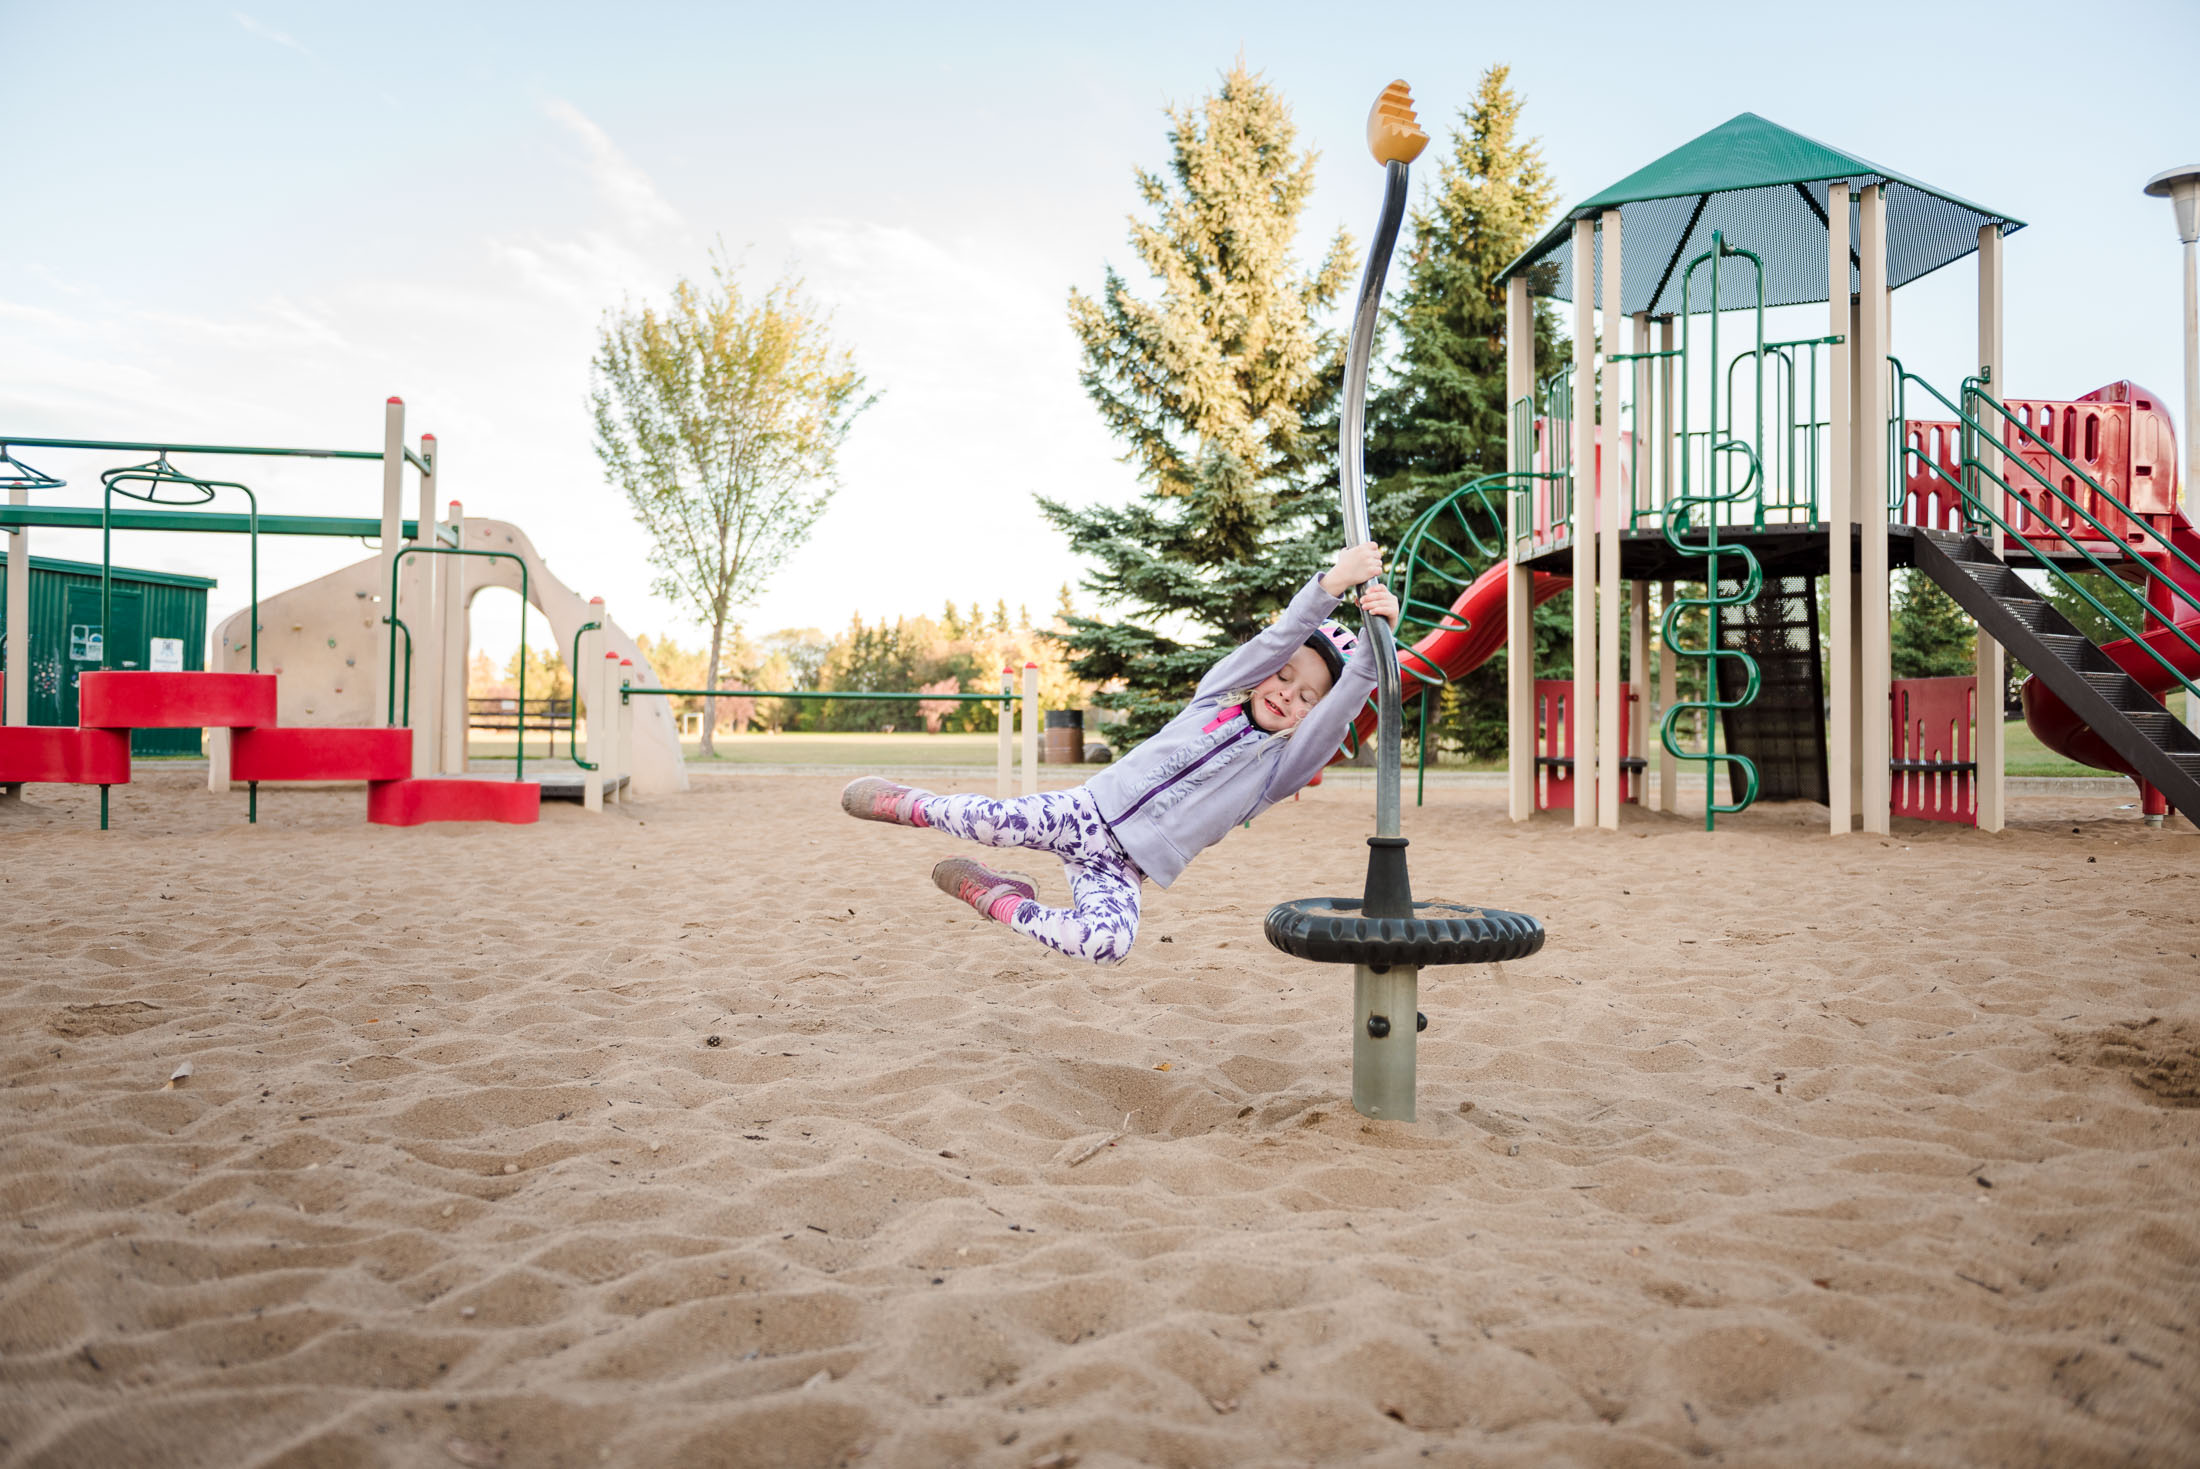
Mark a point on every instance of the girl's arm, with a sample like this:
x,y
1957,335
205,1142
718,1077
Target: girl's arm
x,y
1271,647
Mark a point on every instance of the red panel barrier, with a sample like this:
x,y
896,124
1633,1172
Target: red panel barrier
x,y
411,802
1554,740
1935,774
112,700
320,754
64,755
2118,435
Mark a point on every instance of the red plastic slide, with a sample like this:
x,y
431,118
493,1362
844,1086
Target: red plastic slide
x,y
1476,630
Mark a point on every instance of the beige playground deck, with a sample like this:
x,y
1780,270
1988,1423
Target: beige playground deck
x,y
707,1133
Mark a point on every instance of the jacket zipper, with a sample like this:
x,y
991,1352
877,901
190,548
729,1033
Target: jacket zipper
x,y
1187,770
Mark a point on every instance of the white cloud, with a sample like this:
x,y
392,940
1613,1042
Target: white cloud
x,y
269,33
635,203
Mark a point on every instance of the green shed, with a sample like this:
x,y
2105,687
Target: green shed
x,y
159,623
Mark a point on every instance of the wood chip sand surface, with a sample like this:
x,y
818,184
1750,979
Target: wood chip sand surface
x,y
708,1133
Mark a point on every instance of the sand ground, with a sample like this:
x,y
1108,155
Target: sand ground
x,y
708,1133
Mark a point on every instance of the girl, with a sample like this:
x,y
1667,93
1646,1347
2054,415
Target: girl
x,y
1265,721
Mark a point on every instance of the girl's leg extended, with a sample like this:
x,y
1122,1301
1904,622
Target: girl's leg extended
x,y
1103,918
1062,822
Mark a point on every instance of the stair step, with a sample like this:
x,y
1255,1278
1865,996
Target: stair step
x,y
64,755
306,753
2003,582
411,802
118,700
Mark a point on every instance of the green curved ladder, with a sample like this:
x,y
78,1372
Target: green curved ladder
x,y
1677,526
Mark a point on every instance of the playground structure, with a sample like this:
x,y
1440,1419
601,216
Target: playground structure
x,y
1730,476
361,664
1384,934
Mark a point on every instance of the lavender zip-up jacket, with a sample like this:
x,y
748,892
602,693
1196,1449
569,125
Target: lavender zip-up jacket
x,y
1211,767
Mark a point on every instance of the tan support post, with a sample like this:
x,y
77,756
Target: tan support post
x,y
1031,729
421,574
393,519
457,618
1611,688
1989,750
1668,661
588,694
1643,493
1877,671
1583,475
1519,580
1668,788
626,728
1840,516
1004,770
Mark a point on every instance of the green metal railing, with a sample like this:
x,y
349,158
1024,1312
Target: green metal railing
x,y
1002,698
1980,513
1680,509
16,475
128,446
405,717
519,762
154,476
573,745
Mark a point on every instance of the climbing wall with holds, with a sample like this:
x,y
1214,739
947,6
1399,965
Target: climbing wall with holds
x,y
324,638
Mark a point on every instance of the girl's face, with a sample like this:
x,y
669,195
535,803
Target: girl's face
x,y
1282,698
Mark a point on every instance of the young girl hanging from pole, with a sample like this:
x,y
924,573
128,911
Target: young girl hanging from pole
x,y
1267,717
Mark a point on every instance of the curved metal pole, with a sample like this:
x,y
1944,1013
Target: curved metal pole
x,y
1351,460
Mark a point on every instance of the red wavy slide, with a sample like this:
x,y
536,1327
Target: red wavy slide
x,y
1474,631
2061,730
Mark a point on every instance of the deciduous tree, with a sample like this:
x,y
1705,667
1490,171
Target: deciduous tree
x,y
721,417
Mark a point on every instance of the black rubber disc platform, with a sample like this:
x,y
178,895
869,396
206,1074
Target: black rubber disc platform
x,y
1333,931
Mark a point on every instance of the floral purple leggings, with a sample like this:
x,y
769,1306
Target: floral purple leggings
x,y
1103,881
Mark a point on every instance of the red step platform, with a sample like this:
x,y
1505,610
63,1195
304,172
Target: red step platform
x,y
320,753
120,700
64,755
412,802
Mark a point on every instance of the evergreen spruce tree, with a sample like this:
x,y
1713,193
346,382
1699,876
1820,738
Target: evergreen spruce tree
x,y
1223,391
1933,637
1440,421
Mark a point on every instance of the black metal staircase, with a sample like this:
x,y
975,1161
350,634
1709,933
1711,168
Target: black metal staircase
x,y
2128,719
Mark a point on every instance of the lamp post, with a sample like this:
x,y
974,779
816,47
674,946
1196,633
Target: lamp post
x,y
2181,186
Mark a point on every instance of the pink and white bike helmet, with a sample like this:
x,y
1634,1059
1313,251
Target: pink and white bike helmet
x,y
1336,643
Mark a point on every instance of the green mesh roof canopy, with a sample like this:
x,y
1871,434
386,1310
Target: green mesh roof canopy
x,y
1765,189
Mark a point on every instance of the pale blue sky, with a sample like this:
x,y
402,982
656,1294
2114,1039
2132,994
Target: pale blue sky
x,y
253,224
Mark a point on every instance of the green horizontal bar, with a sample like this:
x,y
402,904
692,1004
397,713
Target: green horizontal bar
x,y
13,442
829,694
74,517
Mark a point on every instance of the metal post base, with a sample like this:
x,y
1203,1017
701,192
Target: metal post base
x,y
1385,1009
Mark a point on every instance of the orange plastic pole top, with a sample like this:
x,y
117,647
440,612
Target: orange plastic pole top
x,y
1393,133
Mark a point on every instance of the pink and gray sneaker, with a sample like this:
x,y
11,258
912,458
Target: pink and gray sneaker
x,y
995,894
874,798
